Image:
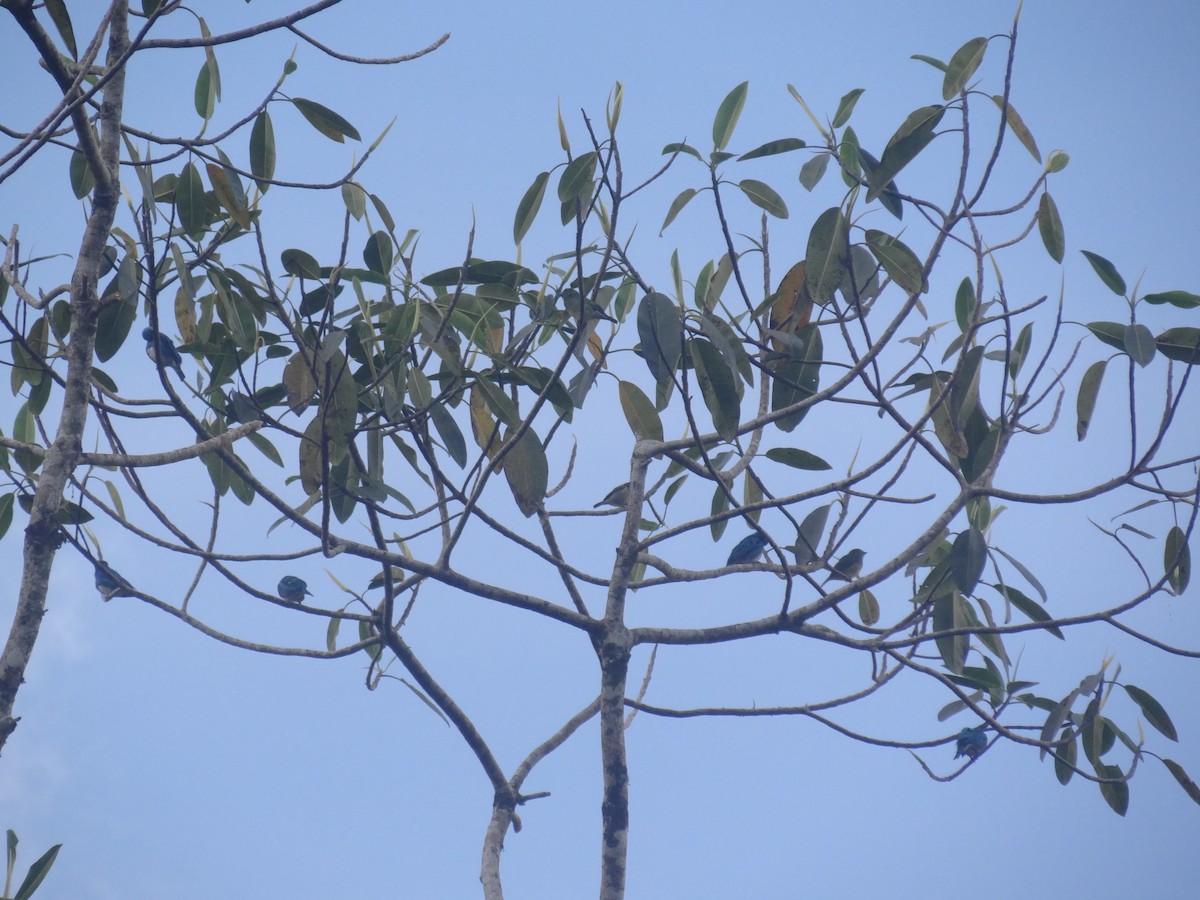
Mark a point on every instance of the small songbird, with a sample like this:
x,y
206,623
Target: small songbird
x,y
109,582
747,550
970,742
848,567
618,496
293,589
162,350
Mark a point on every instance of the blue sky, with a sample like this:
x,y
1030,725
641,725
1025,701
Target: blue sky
x,y
172,766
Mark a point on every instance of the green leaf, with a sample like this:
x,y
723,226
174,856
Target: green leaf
x,y
577,177
797,379
6,513
639,412
1057,161
897,260
967,558
449,432
1107,271
204,94
809,535
727,115
682,148
190,200
228,188
1085,403
1181,344
914,135
1066,756
1030,607
1115,792
377,253
677,206
1139,344
718,386
764,197
1181,299
326,121
37,873
825,255
929,60
949,614
1050,227
299,264
797,459
1153,711
527,472
962,66
868,607
773,148
1180,775
1018,127
527,209
659,330
846,107
82,180
1111,333
964,303
1177,560
62,24
262,150
813,171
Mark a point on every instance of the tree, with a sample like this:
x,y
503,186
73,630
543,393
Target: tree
x,y
360,383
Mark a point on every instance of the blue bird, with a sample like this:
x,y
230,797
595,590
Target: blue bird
x,y
109,583
293,589
747,550
618,496
848,567
163,350
970,742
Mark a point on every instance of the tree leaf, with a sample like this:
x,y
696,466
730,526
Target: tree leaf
x,y
868,607
38,871
727,115
813,170
659,330
326,121
82,180
968,555
1050,227
718,386
1181,299
1111,333
1115,791
1107,271
682,148
914,135
797,459
764,196
62,24
1177,560
527,209
1139,344
1181,344
797,378
262,150
929,60
773,148
228,189
1066,756
577,177
450,433
190,201
897,260
1153,711
1181,776
677,206
299,264
846,107
962,66
1030,608
1017,124
377,253
809,535
1085,402
204,94
825,256
639,412
1057,161
527,472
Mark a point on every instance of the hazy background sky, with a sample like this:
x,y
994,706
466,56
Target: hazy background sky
x,y
171,766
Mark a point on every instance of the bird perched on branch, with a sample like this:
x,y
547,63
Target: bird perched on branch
x,y
848,567
618,496
970,742
109,582
293,589
747,550
162,350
